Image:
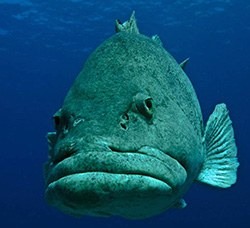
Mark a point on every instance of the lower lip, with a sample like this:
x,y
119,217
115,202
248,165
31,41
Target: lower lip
x,y
167,170
89,190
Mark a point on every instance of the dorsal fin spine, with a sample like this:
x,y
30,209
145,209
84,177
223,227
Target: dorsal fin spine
x,y
129,26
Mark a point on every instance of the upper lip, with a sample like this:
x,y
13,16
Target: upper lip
x,y
61,152
146,161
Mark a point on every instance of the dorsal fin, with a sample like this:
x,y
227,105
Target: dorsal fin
x,y
184,63
157,39
129,26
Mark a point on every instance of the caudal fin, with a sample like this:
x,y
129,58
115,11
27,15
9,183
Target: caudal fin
x,y
220,166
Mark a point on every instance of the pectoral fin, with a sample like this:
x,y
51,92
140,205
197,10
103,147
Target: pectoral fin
x,y
221,163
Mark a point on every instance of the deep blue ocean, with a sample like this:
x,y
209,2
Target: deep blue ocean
x,y
43,46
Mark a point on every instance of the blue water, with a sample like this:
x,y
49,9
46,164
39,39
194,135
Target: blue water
x,y
43,45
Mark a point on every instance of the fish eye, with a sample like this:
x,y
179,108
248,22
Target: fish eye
x,y
57,121
149,104
145,107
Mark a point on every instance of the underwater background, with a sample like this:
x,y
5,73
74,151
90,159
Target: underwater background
x,y
43,45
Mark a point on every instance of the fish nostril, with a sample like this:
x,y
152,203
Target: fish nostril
x,y
123,126
124,120
125,116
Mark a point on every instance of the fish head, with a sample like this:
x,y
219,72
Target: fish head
x,y
121,146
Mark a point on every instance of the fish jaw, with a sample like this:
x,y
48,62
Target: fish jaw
x,y
106,194
106,183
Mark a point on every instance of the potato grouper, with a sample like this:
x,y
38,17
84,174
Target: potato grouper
x,y
130,138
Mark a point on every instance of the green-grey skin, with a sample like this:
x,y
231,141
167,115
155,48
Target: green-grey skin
x,y
129,137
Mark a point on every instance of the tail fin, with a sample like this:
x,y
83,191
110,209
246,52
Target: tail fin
x,y
220,166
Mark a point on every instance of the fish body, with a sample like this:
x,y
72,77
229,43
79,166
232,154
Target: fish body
x,y
130,138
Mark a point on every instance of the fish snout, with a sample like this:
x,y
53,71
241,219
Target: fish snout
x,y
100,175
63,148
80,156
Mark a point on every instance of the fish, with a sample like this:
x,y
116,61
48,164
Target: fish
x,y
130,138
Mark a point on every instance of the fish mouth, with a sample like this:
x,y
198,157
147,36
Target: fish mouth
x,y
147,161
86,182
